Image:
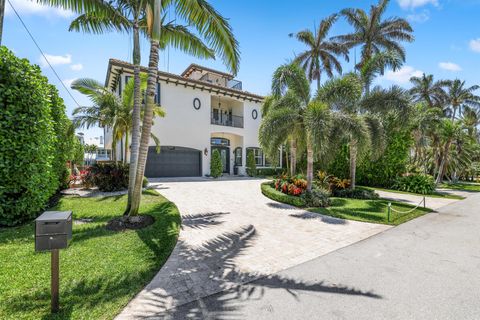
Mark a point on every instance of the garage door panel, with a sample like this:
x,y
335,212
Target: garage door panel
x,y
173,162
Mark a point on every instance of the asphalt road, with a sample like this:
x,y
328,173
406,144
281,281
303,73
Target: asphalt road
x,y
428,268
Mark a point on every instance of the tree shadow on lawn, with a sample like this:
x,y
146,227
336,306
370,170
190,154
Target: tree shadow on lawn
x,y
95,291
205,283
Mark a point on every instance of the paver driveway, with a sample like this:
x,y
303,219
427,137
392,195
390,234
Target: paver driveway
x,y
232,234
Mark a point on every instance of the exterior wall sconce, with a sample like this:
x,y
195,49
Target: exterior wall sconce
x,y
205,152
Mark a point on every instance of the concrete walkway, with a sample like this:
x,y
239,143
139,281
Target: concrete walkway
x,y
427,268
431,202
231,235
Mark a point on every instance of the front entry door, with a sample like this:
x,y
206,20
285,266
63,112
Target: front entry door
x,y
225,156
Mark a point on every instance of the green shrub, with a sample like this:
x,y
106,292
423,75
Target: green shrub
x,y
416,183
216,166
269,191
27,141
62,127
251,164
357,193
269,171
317,198
145,182
110,176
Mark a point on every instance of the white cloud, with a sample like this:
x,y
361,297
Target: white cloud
x,y
412,4
402,75
419,17
31,7
76,67
55,60
68,82
449,66
475,45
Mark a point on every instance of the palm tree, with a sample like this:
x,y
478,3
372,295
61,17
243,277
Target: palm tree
x,y
123,124
293,114
450,132
213,27
360,114
109,110
458,97
471,120
322,53
425,89
375,34
130,17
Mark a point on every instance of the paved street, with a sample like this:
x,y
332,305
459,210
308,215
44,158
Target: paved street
x,y
428,268
232,234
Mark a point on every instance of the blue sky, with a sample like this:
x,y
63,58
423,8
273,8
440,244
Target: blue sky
x,y
447,41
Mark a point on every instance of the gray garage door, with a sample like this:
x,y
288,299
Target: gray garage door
x,y
173,162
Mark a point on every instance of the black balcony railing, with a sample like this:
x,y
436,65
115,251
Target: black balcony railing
x,y
227,120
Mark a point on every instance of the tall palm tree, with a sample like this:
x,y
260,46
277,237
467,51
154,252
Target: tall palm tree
x,y
293,114
471,120
105,104
361,113
321,54
200,15
110,110
374,33
458,97
130,17
450,132
425,89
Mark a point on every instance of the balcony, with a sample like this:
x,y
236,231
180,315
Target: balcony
x,y
227,120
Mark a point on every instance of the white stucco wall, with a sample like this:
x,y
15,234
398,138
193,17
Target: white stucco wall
x,y
184,126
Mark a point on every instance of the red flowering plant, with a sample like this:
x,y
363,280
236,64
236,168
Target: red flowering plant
x,y
295,186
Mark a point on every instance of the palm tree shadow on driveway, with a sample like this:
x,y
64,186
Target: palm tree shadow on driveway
x,y
194,273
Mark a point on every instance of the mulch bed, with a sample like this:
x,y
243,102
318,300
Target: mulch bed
x,y
131,223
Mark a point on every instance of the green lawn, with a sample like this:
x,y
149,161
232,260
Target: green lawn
x,y
374,211
99,272
434,195
462,186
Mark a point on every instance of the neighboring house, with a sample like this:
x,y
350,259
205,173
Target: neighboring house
x,y
206,110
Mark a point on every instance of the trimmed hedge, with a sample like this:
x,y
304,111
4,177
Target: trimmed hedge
x,y
33,129
273,194
269,171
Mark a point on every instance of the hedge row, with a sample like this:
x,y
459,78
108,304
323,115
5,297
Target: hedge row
x,y
273,194
35,140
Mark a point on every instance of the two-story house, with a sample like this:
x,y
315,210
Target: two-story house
x,y
206,110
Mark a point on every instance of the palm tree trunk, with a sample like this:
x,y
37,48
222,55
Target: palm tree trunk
x,y
293,157
353,162
126,147
287,160
441,169
135,115
309,165
146,127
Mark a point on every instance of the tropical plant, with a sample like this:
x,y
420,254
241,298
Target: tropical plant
x,y
471,120
321,54
425,89
374,33
251,164
110,110
458,97
450,132
294,116
416,183
216,166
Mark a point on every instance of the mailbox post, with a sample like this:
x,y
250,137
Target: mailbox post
x,y
53,230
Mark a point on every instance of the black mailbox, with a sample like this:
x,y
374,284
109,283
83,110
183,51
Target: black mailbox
x,y
53,229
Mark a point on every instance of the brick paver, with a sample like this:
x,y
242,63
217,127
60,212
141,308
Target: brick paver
x,y
232,234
